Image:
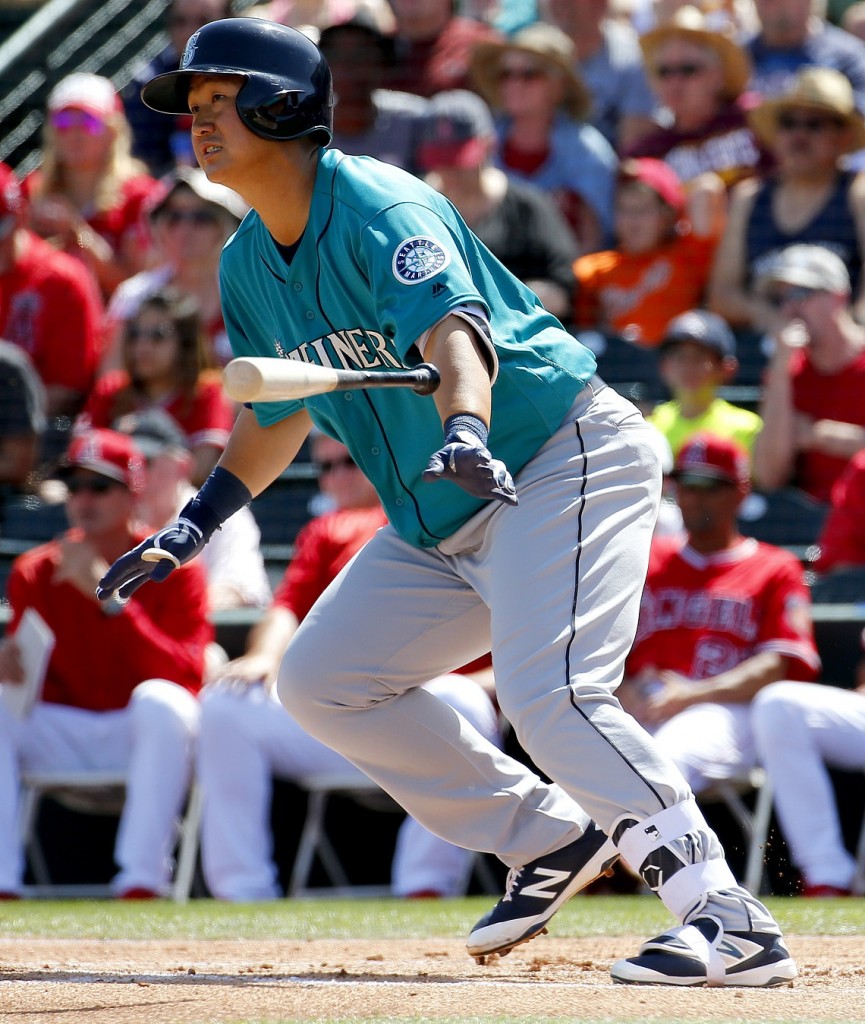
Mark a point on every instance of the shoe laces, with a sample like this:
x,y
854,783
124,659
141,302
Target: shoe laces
x,y
511,884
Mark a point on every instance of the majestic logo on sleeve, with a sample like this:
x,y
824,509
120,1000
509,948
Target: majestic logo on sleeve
x,y
189,52
418,259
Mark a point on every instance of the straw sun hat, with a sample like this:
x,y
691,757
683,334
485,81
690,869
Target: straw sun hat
x,y
689,23
550,46
823,90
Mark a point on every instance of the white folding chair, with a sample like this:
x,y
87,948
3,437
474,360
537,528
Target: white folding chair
x,y
858,884
753,823
95,792
315,843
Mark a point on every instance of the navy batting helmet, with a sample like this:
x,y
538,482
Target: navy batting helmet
x,y
288,90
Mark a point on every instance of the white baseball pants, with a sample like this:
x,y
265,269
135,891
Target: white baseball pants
x,y
247,738
800,729
151,740
708,742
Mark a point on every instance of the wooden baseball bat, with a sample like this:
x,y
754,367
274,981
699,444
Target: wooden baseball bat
x,y
250,379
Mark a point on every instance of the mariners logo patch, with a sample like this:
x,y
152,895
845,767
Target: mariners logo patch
x,y
189,52
418,259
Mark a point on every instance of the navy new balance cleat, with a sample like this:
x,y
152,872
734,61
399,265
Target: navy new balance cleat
x,y
702,953
537,890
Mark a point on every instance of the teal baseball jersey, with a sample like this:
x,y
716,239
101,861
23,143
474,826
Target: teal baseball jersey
x,y
383,259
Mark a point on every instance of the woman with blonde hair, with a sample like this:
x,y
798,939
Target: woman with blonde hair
x,y
166,366
88,193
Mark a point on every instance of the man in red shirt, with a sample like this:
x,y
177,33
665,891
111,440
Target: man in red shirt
x,y
841,543
247,737
721,617
812,408
49,305
120,688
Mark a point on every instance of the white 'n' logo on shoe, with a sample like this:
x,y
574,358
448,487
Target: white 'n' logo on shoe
x,y
546,890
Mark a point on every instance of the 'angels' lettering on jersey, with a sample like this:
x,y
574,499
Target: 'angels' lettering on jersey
x,y
675,608
701,615
354,349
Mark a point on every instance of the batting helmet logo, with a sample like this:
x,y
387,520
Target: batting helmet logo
x,y
189,50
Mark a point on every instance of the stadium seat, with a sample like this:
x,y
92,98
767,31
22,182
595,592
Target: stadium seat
x,y
96,792
753,823
787,518
631,369
28,518
841,586
315,842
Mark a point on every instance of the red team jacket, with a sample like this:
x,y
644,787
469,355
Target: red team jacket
x,y
98,660
702,615
50,307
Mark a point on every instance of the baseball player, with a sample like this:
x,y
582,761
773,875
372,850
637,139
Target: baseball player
x,y
521,499
135,707
721,617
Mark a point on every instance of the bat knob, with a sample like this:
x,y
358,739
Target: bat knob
x,y
428,379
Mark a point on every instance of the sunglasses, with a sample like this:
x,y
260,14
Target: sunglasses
x,y
814,124
521,74
679,70
155,334
65,120
329,465
796,294
96,485
702,483
200,218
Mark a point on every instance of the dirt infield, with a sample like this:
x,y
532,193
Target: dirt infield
x,y
181,982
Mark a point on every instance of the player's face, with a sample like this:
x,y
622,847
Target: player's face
x,y
96,504
708,511
226,150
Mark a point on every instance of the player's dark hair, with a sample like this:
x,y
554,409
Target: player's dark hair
x,y
181,313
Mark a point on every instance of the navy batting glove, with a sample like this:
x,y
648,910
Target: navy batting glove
x,y
155,558
466,460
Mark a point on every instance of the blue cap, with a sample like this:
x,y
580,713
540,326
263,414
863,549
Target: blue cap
x,y
702,328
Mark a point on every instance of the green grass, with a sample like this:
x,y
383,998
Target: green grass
x,y
299,920
333,919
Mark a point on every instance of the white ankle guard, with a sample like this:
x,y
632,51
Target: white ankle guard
x,y
682,888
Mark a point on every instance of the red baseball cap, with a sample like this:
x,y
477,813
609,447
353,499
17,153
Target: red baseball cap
x,y
456,131
11,196
659,176
708,457
108,453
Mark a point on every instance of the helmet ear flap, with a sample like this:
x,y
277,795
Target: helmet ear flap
x,y
271,116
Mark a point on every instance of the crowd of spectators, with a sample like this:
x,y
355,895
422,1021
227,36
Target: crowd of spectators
x,y
676,181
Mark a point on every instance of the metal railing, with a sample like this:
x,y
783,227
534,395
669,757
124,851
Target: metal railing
x,y
111,38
